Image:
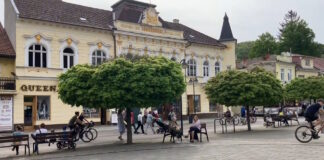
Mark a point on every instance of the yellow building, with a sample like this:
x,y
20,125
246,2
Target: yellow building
x,y
286,67
50,36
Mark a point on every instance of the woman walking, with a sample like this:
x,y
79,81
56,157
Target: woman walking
x,y
121,124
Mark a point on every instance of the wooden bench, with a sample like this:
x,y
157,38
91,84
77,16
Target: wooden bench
x,y
203,127
21,140
168,132
48,138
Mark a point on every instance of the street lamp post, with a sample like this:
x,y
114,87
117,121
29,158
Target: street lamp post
x,y
184,66
193,80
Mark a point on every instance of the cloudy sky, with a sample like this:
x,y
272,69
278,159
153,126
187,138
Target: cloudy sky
x,y
248,18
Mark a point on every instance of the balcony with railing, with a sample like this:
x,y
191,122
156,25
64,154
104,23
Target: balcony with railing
x,y
7,84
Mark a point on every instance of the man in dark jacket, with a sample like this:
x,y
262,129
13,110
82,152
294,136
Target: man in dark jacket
x,y
311,115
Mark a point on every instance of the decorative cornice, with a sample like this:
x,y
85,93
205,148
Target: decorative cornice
x,y
38,36
99,43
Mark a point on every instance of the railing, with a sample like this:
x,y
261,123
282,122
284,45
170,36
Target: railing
x,y
7,83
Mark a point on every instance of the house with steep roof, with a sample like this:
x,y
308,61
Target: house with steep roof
x,y
51,36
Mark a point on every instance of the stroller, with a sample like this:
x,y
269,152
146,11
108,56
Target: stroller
x,y
162,127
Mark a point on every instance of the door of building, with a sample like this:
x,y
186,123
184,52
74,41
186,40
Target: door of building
x,y
28,115
30,108
190,99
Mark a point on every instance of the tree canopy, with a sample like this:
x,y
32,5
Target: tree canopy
x,y
304,89
123,84
243,49
75,87
236,88
295,35
265,44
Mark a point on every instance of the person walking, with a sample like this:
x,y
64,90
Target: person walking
x,y
149,122
121,124
139,123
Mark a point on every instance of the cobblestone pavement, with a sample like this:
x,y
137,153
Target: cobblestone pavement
x,y
260,144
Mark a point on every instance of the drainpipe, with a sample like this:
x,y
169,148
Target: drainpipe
x,y
115,43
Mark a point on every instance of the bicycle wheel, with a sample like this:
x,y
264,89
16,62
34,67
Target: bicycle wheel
x,y
303,134
94,133
87,137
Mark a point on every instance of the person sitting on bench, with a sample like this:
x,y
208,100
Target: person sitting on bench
x,y
41,130
18,132
194,129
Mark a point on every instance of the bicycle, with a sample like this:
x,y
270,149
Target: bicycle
x,y
85,135
305,133
90,128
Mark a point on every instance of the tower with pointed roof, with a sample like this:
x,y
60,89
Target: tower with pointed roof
x,y
226,34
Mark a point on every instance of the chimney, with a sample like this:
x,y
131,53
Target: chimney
x,y
176,21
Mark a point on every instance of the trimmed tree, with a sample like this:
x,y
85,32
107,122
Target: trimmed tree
x,y
311,88
75,87
123,84
236,88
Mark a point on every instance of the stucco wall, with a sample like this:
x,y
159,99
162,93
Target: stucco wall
x,y
7,66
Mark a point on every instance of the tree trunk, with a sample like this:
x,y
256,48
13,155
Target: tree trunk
x,y
248,118
129,126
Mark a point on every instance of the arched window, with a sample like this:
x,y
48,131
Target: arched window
x,y
98,57
68,58
37,56
217,68
206,69
192,68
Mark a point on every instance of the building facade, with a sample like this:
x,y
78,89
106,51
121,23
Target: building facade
x,y
55,35
286,67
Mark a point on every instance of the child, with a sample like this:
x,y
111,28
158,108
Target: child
x,y
18,132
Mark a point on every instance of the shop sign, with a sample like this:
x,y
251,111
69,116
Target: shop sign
x,y
38,88
6,114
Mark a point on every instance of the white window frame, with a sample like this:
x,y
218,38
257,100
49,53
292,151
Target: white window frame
x,y
282,74
103,57
41,55
218,67
206,69
95,47
192,72
31,40
69,56
74,47
289,74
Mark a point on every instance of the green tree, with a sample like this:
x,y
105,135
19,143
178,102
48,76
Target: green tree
x,y
124,84
266,44
311,88
236,88
296,36
243,49
75,87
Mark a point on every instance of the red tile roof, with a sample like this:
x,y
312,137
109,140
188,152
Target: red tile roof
x,y
319,64
6,48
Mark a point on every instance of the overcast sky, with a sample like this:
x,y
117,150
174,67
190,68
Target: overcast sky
x,y
248,18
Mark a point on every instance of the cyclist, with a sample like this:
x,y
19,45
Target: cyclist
x,y
73,121
311,115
